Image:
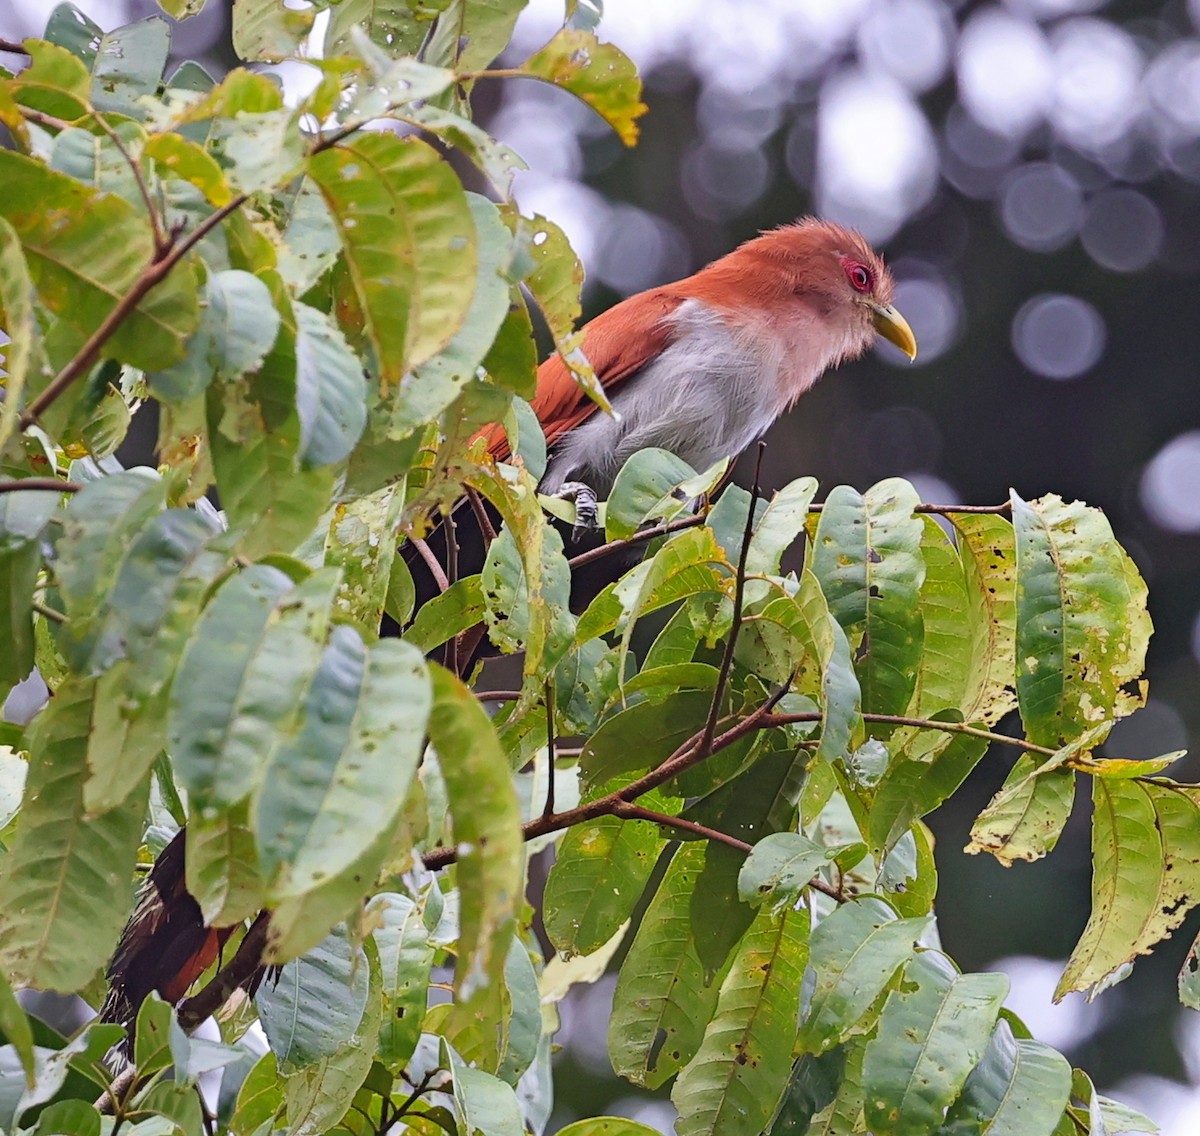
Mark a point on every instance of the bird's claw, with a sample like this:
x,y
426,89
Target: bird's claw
x,y
587,507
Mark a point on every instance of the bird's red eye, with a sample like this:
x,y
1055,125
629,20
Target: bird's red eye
x,y
859,276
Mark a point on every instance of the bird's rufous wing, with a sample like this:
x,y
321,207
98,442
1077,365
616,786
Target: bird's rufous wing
x,y
618,343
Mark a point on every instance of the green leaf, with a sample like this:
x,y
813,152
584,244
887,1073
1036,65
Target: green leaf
x,y
855,952
73,30
242,678
643,736
362,545
1024,819
330,389
1019,1088
866,555
457,609
483,1103
472,33
779,868
64,892
662,1000
646,483
152,1046
390,24
1082,625
238,326
600,869
14,1025
839,686
317,1004
265,29
23,353
85,250
1145,875
182,9
600,74
128,66
408,240
436,383
320,1094
23,516
987,547
733,1084
607,1126
221,866
330,791
554,277
911,789
405,962
781,522
933,1029
487,832
534,576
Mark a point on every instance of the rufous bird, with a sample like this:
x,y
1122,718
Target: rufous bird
x,y
701,367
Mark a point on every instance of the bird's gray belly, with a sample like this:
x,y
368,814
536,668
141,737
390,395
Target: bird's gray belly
x,y
703,399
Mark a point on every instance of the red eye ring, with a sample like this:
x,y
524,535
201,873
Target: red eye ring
x,y
859,276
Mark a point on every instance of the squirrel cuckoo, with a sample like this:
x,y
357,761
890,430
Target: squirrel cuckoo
x,y
700,367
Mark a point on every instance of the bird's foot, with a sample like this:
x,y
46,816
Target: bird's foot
x,y
587,507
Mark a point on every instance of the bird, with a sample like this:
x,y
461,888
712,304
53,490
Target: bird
x,y
700,367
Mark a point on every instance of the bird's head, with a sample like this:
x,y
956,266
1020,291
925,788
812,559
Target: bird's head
x,y
826,271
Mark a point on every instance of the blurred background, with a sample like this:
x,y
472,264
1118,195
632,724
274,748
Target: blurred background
x,y
1032,169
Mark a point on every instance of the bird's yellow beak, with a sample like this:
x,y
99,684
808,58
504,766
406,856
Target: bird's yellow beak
x,y
894,327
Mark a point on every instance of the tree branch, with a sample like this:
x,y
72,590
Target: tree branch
x,y
157,270
234,974
739,595
161,242
12,47
638,537
629,811
49,484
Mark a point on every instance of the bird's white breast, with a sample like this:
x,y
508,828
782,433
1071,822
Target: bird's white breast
x,y
712,391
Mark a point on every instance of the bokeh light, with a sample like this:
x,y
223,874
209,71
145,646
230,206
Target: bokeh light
x,y
1057,336
1123,230
1170,488
1041,205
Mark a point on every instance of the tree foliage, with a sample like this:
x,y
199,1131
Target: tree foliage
x,y
324,316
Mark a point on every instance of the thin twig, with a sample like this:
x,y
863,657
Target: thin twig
x,y
12,47
48,612
431,562
159,267
50,484
498,695
451,532
638,537
548,809
481,517
44,119
921,724
943,510
739,594
161,243
628,811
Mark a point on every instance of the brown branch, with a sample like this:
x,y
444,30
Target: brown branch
x,y
48,612
50,484
157,270
44,119
628,811
498,695
638,537
161,243
431,562
739,595
944,510
233,975
481,517
12,47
